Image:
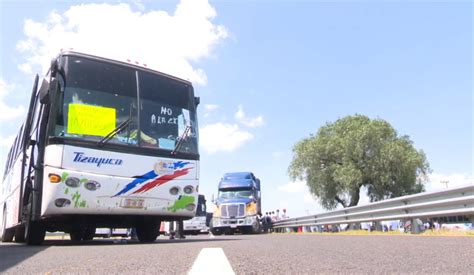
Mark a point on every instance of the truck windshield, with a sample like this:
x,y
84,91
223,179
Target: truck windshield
x,y
235,194
98,96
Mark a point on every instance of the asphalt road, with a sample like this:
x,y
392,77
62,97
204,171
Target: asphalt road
x,y
254,254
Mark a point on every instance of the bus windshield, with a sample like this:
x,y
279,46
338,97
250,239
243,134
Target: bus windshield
x,y
145,109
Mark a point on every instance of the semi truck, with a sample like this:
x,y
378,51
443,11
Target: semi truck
x,y
238,205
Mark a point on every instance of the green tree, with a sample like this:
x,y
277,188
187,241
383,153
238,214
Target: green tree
x,y
356,151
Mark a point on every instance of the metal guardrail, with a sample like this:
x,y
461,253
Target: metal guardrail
x,y
449,202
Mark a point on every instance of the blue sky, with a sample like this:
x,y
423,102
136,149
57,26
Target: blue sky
x,y
271,73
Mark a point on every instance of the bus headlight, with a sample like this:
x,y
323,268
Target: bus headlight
x,y
188,189
62,202
54,178
73,182
174,190
92,185
190,207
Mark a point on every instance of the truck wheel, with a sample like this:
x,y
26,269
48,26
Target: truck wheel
x,y
256,228
216,232
147,232
6,234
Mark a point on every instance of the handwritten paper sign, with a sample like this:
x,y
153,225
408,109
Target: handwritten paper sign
x,y
90,120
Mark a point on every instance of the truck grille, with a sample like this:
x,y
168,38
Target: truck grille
x,y
233,210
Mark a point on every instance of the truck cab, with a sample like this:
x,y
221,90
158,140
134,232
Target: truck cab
x,y
238,204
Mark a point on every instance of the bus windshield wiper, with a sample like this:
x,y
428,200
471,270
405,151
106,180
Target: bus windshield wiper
x,y
110,135
180,141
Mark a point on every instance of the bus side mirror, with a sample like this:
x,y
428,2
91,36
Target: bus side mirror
x,y
44,92
197,100
54,67
47,90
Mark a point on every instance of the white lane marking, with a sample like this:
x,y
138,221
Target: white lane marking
x,y
211,261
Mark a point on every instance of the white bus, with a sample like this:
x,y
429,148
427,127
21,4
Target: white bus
x,y
104,144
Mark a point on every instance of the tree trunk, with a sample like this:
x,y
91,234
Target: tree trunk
x,y
355,196
342,202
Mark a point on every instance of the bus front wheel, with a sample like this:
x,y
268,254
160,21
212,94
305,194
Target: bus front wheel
x,y
35,232
148,232
82,234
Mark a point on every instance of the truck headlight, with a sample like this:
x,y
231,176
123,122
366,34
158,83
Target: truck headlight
x,y
250,220
251,209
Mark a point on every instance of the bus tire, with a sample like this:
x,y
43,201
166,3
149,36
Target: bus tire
x,y
7,234
89,234
20,234
35,232
147,232
76,234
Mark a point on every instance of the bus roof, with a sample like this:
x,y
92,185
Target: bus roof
x,y
129,63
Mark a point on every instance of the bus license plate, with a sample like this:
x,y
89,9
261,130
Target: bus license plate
x,y
133,203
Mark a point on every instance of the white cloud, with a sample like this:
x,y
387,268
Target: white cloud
x,y
209,108
8,112
293,187
165,42
221,137
139,4
308,198
440,181
241,117
7,141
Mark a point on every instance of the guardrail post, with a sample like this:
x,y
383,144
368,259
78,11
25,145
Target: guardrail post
x,y
415,228
378,226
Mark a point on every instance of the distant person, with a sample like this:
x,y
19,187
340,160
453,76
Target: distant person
x,y
284,216
177,230
180,233
133,234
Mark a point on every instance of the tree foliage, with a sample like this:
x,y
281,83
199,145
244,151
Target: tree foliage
x,y
356,151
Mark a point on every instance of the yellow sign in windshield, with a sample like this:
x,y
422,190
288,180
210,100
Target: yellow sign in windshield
x,y
90,120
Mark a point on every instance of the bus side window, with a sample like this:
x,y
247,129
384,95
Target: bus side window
x,y
14,148
20,139
7,163
34,119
